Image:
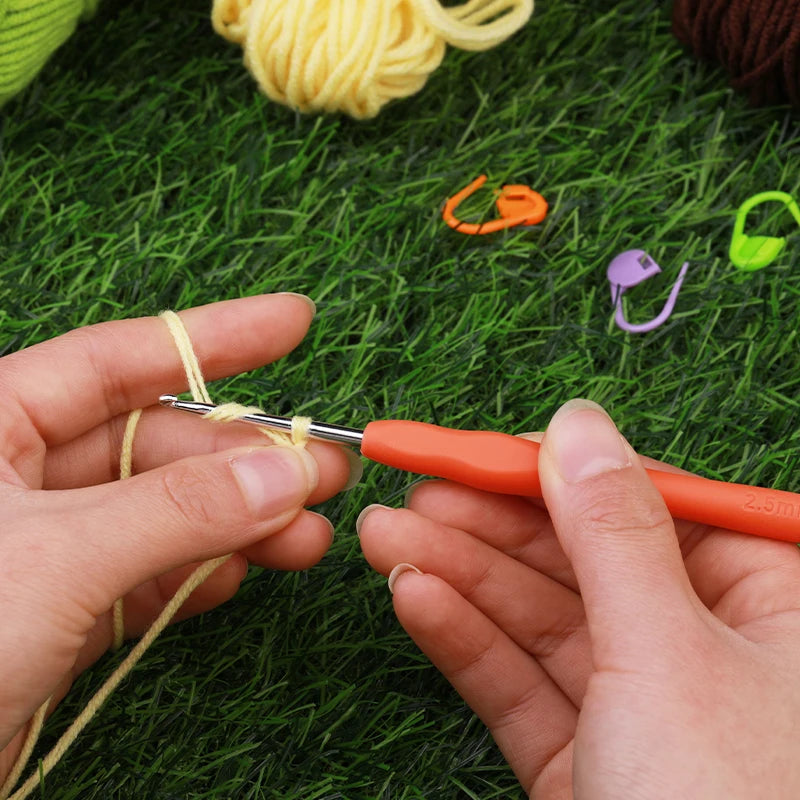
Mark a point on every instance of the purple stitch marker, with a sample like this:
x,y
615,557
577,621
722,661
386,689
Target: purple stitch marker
x,y
629,269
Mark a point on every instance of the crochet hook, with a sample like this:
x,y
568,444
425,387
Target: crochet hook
x,y
499,462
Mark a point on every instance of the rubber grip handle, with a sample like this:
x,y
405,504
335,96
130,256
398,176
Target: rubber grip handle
x,y
771,513
497,462
486,460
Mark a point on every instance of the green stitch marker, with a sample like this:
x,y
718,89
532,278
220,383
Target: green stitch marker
x,y
750,253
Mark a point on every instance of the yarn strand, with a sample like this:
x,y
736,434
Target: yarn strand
x,y
466,26
228,412
125,471
191,366
31,737
131,660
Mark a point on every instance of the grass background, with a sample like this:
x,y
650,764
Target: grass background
x,y
143,171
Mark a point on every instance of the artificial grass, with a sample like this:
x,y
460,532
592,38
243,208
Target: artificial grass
x,y
142,171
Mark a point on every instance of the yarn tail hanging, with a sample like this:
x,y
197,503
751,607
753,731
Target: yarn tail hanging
x,y
354,56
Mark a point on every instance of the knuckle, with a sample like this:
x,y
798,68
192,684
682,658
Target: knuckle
x,y
546,642
187,491
517,709
93,342
473,663
622,515
477,576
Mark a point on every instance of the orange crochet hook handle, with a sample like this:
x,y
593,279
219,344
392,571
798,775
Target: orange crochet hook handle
x,y
497,462
486,460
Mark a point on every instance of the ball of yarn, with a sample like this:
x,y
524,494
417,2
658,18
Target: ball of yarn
x,y
30,31
756,41
357,55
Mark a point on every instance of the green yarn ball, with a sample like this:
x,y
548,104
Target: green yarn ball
x,y
30,32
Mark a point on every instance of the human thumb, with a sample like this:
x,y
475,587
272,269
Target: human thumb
x,y
616,531
119,535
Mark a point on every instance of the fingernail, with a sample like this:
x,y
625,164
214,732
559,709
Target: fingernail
x,y
363,515
311,304
275,479
533,436
398,571
585,442
356,468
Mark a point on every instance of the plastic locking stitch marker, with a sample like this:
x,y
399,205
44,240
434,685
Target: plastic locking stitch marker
x,y
517,204
629,269
750,253
498,462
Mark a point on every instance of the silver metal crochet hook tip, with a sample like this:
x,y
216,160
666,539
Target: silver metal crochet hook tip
x,y
317,430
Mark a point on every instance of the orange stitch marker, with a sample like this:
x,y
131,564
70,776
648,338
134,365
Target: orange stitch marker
x,y
517,204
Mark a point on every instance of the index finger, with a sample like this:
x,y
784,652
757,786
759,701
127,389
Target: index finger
x,y
70,384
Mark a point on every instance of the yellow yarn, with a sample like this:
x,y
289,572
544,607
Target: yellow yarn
x,y
34,729
228,412
231,412
357,55
125,471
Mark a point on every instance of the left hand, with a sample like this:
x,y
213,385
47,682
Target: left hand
x,y
74,538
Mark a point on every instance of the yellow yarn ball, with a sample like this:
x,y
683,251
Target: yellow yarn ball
x,y
357,55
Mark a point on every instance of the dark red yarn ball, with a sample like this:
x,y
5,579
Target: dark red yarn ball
x,y
756,41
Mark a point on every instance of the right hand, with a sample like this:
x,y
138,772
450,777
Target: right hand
x,y
612,652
